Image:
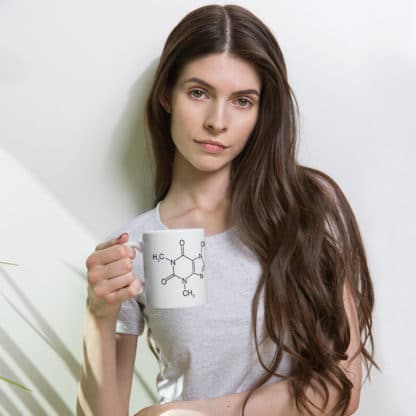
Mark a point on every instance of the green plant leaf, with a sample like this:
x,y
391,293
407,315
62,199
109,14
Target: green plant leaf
x,y
14,383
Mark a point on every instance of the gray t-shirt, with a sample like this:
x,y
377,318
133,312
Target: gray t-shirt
x,y
207,350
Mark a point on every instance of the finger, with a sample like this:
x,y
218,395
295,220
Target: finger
x,y
109,271
110,254
105,287
121,295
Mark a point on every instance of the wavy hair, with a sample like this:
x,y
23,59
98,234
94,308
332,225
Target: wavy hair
x,y
295,219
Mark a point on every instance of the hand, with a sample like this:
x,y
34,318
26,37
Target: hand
x,y
110,277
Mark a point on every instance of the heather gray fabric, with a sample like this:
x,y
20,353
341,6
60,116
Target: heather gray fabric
x,y
206,351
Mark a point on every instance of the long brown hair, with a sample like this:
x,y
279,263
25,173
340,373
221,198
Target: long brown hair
x,y
294,218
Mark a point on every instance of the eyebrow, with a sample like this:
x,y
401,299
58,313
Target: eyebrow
x,y
206,85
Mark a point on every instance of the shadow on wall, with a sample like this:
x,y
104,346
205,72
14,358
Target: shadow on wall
x,y
42,300
129,147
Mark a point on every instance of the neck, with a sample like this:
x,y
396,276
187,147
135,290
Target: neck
x,y
192,188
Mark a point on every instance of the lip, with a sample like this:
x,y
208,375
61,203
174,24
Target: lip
x,y
214,142
210,147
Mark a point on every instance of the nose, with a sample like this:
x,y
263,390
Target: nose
x,y
216,119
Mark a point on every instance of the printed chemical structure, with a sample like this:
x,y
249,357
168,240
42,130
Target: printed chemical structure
x,y
183,267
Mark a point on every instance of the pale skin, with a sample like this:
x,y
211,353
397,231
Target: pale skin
x,y
215,97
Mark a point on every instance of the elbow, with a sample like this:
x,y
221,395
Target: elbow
x,y
348,411
354,402
355,378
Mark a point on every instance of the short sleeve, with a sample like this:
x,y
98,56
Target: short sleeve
x,y
130,319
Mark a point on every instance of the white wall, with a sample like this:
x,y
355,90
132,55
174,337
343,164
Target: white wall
x,y
73,76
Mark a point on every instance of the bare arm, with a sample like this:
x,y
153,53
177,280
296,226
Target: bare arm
x,y
126,348
97,391
105,381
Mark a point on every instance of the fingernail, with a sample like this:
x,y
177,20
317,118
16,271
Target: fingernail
x,y
120,236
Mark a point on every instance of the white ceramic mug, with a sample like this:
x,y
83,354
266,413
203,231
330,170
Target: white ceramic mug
x,y
174,262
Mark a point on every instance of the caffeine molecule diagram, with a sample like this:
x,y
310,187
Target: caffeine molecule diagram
x,y
183,267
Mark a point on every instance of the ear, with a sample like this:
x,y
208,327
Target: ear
x,y
165,104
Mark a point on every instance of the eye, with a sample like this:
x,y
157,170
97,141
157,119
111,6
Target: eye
x,y
244,102
197,93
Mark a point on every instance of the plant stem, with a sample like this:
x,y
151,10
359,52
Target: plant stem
x,y
14,383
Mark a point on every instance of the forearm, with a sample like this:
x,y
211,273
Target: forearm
x,y
97,392
271,400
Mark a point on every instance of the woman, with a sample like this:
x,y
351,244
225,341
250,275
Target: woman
x,y
291,334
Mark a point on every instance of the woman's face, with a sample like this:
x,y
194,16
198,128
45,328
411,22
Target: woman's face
x,y
216,97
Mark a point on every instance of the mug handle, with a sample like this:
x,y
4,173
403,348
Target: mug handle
x,y
138,245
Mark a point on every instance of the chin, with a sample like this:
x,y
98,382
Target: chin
x,y
206,163
210,167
